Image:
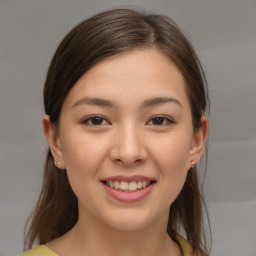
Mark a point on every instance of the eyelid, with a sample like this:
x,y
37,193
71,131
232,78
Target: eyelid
x,y
168,119
89,118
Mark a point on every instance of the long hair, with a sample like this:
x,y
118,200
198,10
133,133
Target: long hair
x,y
104,35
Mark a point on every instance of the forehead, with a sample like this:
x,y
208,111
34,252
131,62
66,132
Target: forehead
x,y
132,76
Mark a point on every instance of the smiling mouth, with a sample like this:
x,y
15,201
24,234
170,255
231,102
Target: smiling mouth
x,y
125,186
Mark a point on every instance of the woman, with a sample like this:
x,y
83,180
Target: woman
x,y
125,121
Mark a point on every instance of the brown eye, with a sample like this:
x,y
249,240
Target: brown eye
x,y
95,121
160,120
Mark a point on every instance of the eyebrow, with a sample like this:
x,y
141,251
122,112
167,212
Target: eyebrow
x,y
95,101
159,101
107,103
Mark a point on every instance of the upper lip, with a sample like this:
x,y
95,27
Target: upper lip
x,y
129,178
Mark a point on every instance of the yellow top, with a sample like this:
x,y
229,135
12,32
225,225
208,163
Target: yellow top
x,y
43,250
185,246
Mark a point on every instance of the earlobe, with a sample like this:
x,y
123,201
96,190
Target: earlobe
x,y
52,136
199,140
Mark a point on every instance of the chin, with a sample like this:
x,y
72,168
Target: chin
x,y
128,221
129,226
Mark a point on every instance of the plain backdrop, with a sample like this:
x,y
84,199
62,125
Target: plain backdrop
x,y
223,33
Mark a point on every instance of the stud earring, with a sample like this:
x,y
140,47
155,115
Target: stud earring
x,y
58,163
192,164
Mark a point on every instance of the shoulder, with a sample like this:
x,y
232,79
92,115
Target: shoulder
x,y
185,246
41,250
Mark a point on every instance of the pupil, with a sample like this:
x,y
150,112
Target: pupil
x,y
97,120
158,121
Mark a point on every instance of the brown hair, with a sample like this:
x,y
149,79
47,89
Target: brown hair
x,y
95,39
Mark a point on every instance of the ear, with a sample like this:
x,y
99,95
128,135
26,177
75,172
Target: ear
x,y
52,135
198,141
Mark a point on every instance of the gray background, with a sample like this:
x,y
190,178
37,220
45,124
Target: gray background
x,y
224,35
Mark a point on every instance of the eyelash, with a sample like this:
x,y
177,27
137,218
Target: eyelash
x,y
89,121
167,120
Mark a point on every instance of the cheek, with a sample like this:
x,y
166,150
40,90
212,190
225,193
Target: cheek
x,y
171,156
83,156
172,153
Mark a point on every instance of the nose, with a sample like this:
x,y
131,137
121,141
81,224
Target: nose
x,y
128,146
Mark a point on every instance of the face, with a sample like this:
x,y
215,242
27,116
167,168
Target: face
x,y
126,139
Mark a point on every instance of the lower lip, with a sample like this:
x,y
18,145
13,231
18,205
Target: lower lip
x,y
129,197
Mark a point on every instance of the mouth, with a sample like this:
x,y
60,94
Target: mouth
x,y
128,189
125,186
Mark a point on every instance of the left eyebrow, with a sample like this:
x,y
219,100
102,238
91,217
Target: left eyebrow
x,y
159,101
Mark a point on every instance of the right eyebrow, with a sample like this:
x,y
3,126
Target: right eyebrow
x,y
95,101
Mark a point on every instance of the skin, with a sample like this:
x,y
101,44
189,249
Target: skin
x,y
127,141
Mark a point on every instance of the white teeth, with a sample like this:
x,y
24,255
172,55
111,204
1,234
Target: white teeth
x,y
139,184
116,185
128,187
111,184
133,186
124,185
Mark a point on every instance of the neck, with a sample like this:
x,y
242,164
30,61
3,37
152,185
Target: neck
x,y
94,238
90,237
